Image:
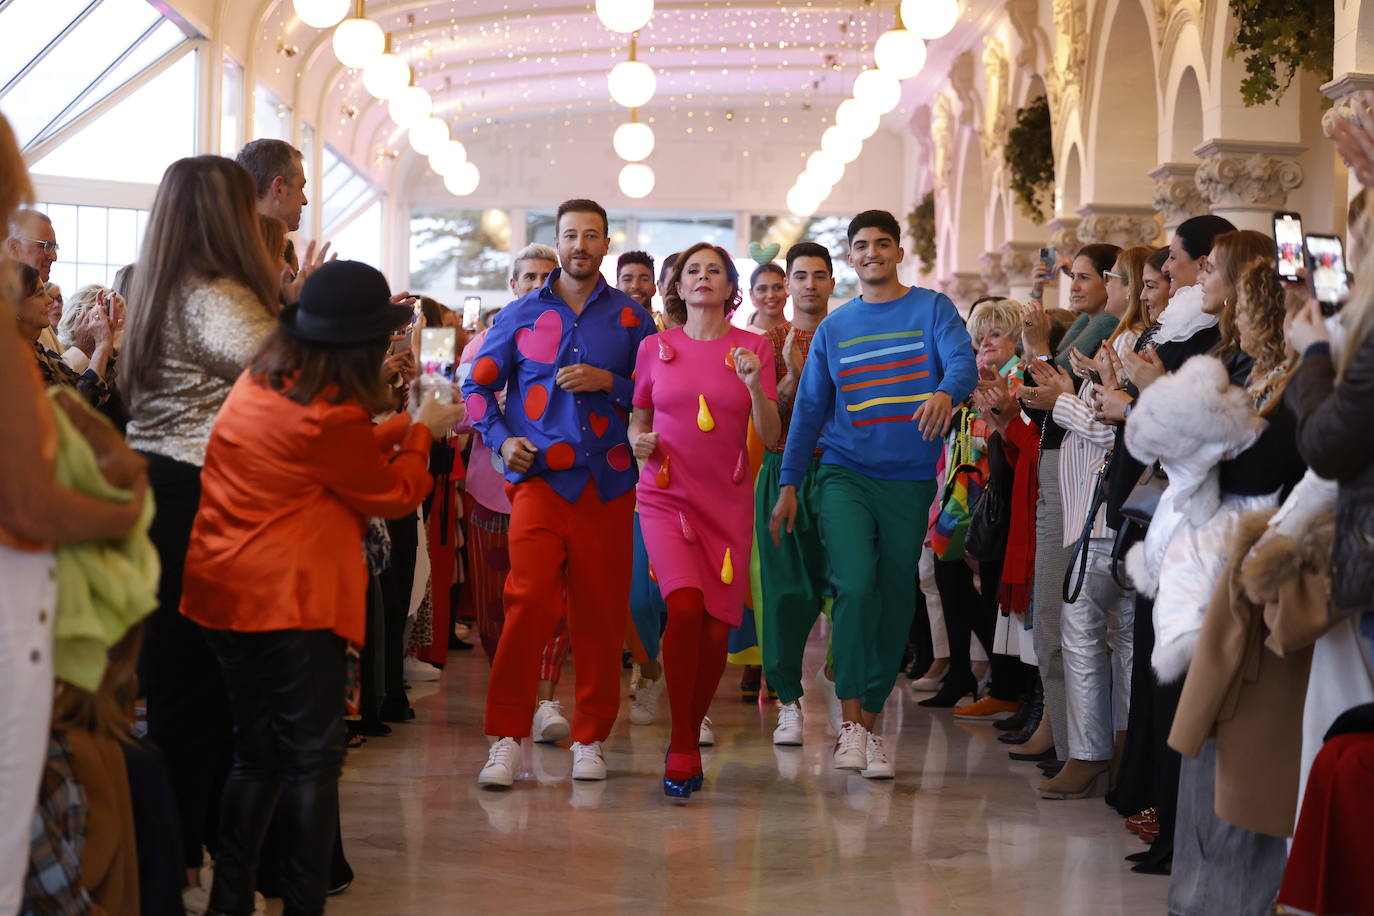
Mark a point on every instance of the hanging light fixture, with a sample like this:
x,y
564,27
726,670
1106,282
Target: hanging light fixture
x,y
448,158
428,135
827,168
624,15
632,82
878,91
801,202
463,180
410,106
900,52
633,141
636,180
843,146
387,75
856,120
358,41
930,19
321,14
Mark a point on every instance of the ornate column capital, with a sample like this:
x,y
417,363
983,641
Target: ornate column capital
x,y
1176,193
963,287
1242,176
1018,260
1342,91
993,275
1064,233
1118,224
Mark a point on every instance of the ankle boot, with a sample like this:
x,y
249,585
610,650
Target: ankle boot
x,y
1078,779
1040,745
1035,711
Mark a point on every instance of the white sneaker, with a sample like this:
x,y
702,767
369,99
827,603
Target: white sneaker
x,y
418,671
789,730
644,709
588,763
850,750
833,710
502,762
706,737
879,766
549,724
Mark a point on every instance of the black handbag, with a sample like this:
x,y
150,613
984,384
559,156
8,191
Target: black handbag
x,y
1138,509
1073,587
990,523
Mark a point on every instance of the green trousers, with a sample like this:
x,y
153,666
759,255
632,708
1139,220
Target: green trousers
x,y
792,585
872,531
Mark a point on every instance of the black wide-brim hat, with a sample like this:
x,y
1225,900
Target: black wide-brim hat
x,y
343,303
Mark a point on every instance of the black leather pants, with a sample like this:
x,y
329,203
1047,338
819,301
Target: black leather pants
x,y
286,688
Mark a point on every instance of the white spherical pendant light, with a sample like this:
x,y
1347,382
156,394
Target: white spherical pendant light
x,y
802,202
633,141
930,19
636,180
358,42
463,180
900,52
878,91
817,184
428,136
624,15
448,158
843,146
827,168
632,83
321,14
410,106
855,119
387,75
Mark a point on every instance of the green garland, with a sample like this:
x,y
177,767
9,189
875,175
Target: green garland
x,y
1278,38
1029,155
920,223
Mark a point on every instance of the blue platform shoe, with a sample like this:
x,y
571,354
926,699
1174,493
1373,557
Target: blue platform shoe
x,y
678,788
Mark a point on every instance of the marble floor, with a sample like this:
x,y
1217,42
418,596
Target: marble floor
x,y
776,830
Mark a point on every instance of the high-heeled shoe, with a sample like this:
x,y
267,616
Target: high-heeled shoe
x,y
677,788
1078,779
696,782
1037,756
954,689
682,788
1039,745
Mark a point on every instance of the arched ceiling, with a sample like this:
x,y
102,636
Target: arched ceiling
x,y
485,60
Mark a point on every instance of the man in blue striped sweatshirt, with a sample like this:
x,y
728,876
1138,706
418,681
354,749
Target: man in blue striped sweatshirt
x,y
879,388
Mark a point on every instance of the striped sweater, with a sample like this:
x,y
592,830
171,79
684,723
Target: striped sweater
x,y
871,367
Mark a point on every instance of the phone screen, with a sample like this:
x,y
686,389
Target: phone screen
x,y
472,312
1288,244
1047,255
1326,269
438,362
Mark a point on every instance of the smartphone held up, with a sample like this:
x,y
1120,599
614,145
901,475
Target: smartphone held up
x,y
438,363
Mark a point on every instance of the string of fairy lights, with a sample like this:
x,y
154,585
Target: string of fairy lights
x,y
898,54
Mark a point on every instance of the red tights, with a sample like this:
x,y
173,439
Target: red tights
x,y
694,650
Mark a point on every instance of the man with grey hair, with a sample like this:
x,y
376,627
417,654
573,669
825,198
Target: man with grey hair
x,y
278,170
531,268
33,241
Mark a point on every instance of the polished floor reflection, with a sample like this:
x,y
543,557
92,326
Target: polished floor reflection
x,y
776,830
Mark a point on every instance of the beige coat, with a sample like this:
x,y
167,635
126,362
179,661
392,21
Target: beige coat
x,y
1248,678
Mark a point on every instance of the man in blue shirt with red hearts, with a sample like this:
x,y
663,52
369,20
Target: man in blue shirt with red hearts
x,y
879,388
563,355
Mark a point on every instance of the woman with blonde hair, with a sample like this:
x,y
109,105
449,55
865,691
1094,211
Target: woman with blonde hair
x,y
36,514
204,298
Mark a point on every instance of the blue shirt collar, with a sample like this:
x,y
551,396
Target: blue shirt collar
x,y
547,290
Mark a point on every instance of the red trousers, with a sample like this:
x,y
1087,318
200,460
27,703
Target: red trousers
x,y
583,549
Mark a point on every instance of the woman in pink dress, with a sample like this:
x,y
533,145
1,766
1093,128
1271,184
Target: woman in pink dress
x,y
696,389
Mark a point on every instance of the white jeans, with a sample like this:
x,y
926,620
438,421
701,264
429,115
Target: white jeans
x,y
28,592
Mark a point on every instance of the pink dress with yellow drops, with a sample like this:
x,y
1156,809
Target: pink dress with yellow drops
x,y
696,498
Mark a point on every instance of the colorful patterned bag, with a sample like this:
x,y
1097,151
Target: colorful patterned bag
x,y
963,485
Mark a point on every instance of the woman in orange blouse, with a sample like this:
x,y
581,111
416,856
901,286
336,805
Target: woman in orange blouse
x,y
275,571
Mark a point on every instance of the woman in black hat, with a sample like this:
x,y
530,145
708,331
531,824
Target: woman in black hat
x,y
275,572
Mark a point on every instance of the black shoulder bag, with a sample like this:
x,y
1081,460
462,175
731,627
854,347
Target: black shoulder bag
x,y
1073,587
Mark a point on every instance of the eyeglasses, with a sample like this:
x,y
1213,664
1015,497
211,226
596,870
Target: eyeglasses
x,y
48,247
1113,274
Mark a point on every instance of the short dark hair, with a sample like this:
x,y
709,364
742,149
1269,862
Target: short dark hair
x,y
1198,234
875,219
672,299
303,372
1103,256
433,311
666,271
769,268
581,205
29,280
267,158
810,250
634,257
1157,259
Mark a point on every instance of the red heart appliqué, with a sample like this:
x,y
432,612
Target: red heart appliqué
x,y
628,318
600,424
